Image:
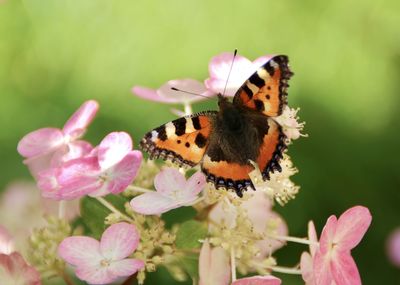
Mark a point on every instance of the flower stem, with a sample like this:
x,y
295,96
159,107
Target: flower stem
x,y
139,189
286,270
113,209
233,264
187,108
293,239
61,209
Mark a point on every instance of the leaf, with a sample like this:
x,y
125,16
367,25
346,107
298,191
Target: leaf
x,y
178,216
189,234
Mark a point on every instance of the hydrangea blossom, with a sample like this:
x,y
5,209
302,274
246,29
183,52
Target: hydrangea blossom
x,y
214,267
105,261
393,247
332,261
51,146
172,191
15,271
110,168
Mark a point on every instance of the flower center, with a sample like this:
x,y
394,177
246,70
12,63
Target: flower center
x,y
105,263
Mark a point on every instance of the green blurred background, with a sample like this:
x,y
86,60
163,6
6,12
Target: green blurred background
x,y
345,54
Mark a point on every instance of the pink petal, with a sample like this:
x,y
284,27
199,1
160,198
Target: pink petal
x,y
322,269
80,251
48,184
312,236
166,95
262,60
78,122
40,142
73,150
219,214
214,267
344,269
393,247
113,149
95,274
14,269
39,163
351,227
306,266
119,241
126,267
151,94
6,241
153,203
123,174
219,68
186,84
194,185
258,280
78,177
259,211
327,235
169,180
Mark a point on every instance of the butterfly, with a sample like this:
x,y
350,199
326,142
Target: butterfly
x,y
224,142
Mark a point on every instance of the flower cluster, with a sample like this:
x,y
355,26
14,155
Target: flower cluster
x,y
125,229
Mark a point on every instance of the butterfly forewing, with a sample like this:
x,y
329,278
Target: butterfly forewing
x,y
182,141
266,89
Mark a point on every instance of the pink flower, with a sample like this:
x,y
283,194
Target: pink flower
x,y
258,280
110,168
306,263
259,211
393,247
15,271
214,267
105,261
242,69
6,241
332,262
165,94
49,146
173,191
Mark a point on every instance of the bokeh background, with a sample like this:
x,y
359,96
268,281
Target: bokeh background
x,y
345,54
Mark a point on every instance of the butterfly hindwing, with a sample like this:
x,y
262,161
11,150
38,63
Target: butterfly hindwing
x,y
271,149
266,89
182,141
228,175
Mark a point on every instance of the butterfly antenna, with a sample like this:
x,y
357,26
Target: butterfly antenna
x,y
230,69
188,92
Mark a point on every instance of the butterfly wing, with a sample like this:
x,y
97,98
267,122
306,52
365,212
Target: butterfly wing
x,y
266,89
271,149
182,141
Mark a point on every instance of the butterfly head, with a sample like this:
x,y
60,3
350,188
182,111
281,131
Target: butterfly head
x,y
223,102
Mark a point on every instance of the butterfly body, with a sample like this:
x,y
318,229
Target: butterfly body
x,y
225,142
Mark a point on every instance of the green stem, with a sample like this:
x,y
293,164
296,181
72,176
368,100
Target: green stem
x,y
187,108
113,209
293,239
139,189
286,270
61,209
